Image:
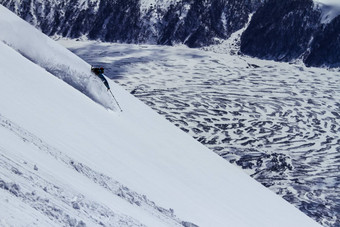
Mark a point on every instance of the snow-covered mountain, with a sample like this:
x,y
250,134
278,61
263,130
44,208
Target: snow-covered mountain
x,y
67,158
279,30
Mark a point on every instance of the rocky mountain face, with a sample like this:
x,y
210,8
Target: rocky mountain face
x,y
194,23
279,30
326,46
290,30
198,23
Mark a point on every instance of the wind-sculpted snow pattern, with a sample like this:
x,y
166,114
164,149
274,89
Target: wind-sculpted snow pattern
x,y
280,122
64,205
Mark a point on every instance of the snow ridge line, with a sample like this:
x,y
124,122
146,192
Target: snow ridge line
x,y
81,203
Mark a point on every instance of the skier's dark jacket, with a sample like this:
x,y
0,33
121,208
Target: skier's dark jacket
x,y
100,73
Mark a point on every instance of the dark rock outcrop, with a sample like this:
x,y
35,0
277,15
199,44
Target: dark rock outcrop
x,y
290,30
204,21
281,30
325,47
194,23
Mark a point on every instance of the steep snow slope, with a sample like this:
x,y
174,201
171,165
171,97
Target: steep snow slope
x,y
39,114
65,160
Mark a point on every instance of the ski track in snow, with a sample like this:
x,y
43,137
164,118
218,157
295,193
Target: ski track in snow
x,y
21,178
279,122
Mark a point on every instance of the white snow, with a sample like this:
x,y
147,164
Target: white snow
x,y
74,162
330,9
146,4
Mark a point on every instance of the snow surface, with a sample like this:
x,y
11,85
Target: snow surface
x,y
330,9
278,121
67,161
146,4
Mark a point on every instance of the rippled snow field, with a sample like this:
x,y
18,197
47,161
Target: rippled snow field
x,y
280,122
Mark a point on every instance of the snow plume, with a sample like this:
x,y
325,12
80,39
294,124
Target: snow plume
x,y
54,58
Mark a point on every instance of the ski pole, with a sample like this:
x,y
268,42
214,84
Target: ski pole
x,y
116,101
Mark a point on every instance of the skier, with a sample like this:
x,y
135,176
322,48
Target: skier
x,y
100,73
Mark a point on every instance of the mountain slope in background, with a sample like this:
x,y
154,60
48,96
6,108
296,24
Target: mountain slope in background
x,y
66,160
194,23
290,30
281,31
325,47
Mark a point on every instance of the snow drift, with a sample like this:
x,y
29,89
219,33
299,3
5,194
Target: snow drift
x,y
65,160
